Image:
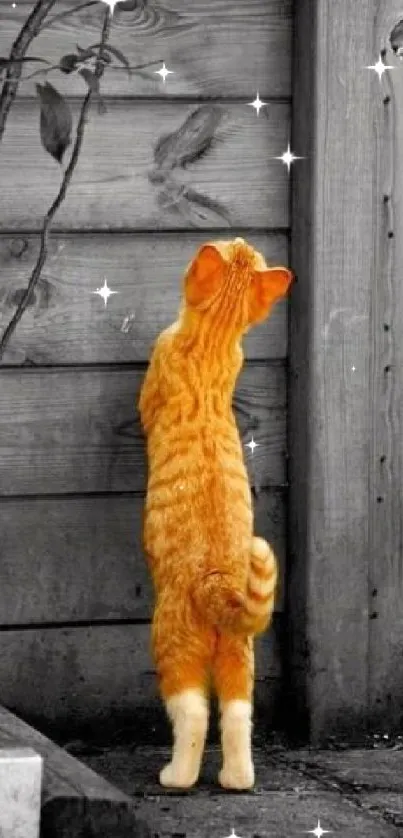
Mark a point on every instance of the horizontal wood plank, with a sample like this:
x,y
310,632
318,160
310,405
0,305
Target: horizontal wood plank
x,y
66,323
214,49
73,795
101,674
82,558
77,430
216,169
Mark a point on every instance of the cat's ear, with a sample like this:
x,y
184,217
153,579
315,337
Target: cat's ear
x,y
268,287
204,276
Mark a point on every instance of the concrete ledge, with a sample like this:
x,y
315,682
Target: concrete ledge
x,y
75,802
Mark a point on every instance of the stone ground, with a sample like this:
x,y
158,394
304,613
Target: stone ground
x,y
352,791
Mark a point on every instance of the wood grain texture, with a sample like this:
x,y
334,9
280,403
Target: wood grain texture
x,y
329,425
74,797
386,455
78,430
152,166
67,324
101,674
82,558
214,49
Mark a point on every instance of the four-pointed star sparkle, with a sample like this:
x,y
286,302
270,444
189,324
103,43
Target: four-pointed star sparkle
x,y
233,834
257,104
318,831
380,67
252,445
163,72
288,157
105,292
111,4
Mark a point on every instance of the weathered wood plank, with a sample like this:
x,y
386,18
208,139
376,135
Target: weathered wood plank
x,y
82,558
77,430
126,178
215,49
329,420
102,675
74,798
386,455
67,324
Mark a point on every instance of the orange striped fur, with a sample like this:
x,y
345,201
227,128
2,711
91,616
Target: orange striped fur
x,y
214,580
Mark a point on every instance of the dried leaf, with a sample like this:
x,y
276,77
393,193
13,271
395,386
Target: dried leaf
x,y
396,38
191,140
90,78
68,62
85,53
55,121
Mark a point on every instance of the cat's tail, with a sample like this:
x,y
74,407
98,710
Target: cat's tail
x,y
249,612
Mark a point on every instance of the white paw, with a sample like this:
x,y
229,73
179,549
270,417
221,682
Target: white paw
x,y
237,777
176,779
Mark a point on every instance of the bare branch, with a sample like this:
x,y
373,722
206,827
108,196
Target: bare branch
x,y
28,32
36,272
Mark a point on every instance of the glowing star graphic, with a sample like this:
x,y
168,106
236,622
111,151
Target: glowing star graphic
x,y
257,104
105,292
380,67
318,831
111,4
252,445
233,834
288,157
163,72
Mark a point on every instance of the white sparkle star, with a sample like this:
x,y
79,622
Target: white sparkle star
x,y
257,104
318,831
252,445
380,67
111,4
233,834
288,157
163,72
105,292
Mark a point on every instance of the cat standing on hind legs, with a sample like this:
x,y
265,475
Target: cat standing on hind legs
x,y
214,580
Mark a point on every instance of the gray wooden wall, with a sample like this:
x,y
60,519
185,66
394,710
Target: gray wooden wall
x,y
75,598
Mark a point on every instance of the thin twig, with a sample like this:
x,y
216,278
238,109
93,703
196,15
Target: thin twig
x,y
36,272
46,70
27,34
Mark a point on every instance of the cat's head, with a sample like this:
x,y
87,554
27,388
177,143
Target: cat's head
x,y
233,277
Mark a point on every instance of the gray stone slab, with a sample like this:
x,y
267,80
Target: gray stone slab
x,y
135,770
285,802
361,768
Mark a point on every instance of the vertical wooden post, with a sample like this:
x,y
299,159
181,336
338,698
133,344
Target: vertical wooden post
x,y
329,420
386,460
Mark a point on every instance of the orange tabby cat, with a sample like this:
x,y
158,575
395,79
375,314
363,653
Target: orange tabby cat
x,y
214,581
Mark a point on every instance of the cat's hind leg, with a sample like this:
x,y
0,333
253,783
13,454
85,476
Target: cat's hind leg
x,y
188,711
233,674
182,661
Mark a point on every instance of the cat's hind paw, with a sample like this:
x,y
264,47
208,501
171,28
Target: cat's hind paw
x,y
237,777
176,779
